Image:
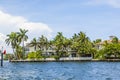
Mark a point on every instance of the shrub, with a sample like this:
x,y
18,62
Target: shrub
x,y
57,57
35,55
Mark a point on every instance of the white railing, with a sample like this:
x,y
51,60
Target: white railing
x,y
76,58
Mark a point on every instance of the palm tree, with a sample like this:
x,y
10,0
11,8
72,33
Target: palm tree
x,y
60,44
22,37
43,43
85,43
96,43
12,40
81,43
19,52
34,43
59,40
67,45
75,36
115,40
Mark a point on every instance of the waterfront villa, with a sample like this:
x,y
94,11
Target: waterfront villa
x,y
50,51
100,46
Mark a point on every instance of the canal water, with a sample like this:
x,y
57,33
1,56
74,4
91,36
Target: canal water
x,y
60,71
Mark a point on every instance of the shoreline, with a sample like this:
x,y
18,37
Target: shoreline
x,y
66,59
92,60
105,60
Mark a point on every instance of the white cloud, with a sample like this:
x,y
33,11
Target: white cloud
x,y
2,37
13,23
36,29
3,44
113,3
9,23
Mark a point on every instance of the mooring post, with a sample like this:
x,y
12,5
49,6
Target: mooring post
x,y
1,52
1,59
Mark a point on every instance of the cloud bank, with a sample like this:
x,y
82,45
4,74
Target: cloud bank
x,y
10,23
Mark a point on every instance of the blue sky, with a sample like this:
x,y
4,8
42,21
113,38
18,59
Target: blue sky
x,y
97,18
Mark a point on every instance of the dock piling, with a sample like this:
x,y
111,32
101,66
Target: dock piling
x,y
1,59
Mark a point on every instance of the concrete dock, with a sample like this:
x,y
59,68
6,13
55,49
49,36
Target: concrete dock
x,y
65,59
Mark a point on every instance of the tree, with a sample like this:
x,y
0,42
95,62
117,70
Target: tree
x,y
18,52
115,40
34,43
75,37
43,41
60,44
82,44
97,43
15,39
12,39
43,44
112,49
22,37
35,55
67,44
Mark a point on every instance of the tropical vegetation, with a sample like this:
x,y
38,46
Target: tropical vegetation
x,y
61,46
16,39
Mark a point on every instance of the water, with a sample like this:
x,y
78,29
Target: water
x,y
61,71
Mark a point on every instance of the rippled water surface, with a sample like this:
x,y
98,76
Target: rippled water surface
x,y
61,71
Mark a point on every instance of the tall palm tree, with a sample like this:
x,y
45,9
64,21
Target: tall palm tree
x,y
34,43
67,45
19,52
12,40
84,43
60,44
59,39
43,43
22,37
81,43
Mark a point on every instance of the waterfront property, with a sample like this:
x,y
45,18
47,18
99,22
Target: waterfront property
x,y
100,45
52,51
78,46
